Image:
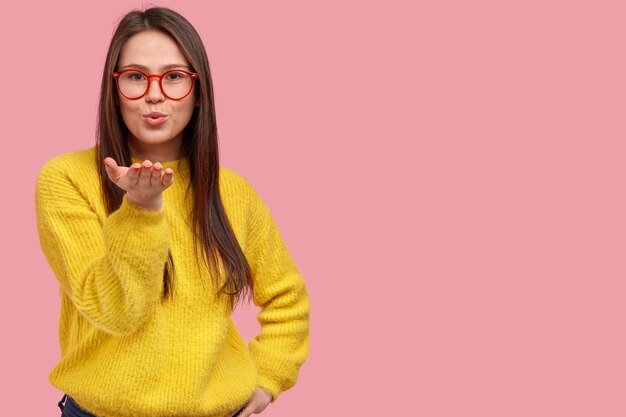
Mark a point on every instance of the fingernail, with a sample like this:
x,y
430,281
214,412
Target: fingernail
x,y
157,168
136,169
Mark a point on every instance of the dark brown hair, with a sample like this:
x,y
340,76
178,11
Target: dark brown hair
x,y
220,249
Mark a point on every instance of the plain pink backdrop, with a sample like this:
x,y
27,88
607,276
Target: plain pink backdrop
x,y
448,175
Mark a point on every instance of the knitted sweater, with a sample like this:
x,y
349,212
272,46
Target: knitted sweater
x,y
124,353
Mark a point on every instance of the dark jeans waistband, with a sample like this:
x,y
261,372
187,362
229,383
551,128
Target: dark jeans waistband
x,y
71,409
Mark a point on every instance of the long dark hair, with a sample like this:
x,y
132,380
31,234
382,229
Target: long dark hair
x,y
220,249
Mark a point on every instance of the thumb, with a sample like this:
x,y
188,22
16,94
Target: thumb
x,y
112,169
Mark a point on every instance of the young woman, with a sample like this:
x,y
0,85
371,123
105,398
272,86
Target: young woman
x,y
153,244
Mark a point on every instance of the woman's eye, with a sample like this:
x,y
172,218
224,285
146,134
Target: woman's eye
x,y
175,76
134,76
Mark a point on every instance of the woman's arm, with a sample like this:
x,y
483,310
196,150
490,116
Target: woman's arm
x,y
112,272
282,344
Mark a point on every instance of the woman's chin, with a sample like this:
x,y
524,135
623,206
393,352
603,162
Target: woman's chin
x,y
154,138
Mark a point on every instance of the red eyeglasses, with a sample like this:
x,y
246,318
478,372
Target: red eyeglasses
x,y
134,84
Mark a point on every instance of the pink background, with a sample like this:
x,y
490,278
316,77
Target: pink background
x,y
448,175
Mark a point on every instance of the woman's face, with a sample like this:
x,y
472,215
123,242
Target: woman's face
x,y
154,52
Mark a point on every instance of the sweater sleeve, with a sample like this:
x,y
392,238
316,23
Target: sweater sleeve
x,y
282,345
112,271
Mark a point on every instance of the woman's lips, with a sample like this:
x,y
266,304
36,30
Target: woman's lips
x,y
155,121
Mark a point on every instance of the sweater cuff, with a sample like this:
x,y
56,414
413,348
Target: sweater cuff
x,y
139,215
271,386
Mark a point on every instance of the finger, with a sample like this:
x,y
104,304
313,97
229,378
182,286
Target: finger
x,y
133,173
155,178
234,414
146,173
247,411
168,177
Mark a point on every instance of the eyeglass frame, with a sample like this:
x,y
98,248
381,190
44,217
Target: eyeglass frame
x,y
116,75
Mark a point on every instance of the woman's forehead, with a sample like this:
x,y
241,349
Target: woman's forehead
x,y
151,50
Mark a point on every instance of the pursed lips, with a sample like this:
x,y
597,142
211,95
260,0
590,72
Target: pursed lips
x,y
155,115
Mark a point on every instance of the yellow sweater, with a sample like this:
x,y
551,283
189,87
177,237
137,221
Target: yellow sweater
x,y
126,354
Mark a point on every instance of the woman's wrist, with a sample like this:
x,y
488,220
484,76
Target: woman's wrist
x,y
152,206
269,393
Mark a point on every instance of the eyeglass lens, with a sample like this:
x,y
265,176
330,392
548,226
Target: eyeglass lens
x,y
175,84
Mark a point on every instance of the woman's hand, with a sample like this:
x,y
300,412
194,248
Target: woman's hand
x,y
256,404
143,182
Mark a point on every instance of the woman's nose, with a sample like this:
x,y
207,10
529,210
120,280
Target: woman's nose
x,y
154,90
